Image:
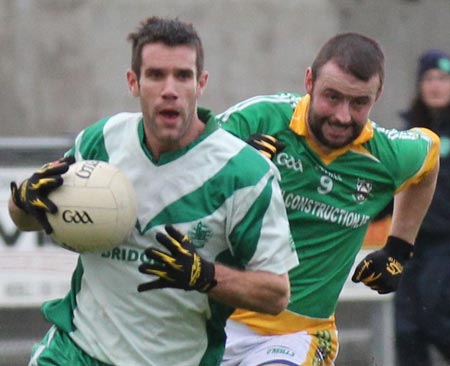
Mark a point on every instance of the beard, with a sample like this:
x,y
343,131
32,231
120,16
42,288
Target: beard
x,y
316,125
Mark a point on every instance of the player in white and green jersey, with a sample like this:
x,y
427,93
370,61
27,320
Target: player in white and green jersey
x,y
339,170
187,173
209,191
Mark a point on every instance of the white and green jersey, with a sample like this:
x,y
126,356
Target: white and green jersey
x,y
219,191
330,199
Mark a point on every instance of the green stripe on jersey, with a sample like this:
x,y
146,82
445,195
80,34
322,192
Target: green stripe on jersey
x,y
92,143
214,191
60,311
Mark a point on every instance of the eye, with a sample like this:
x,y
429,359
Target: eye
x,y
154,74
361,102
185,74
333,97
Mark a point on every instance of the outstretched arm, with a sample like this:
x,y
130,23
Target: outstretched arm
x,y
411,205
381,270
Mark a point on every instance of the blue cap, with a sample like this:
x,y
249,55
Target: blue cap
x,y
433,59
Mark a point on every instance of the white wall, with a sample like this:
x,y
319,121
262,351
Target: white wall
x,y
63,62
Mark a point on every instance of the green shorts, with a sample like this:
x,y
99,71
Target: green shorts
x,y
58,349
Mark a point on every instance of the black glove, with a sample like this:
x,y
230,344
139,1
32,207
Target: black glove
x,y
382,269
32,194
183,268
266,144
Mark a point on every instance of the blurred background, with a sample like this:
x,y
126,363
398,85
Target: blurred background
x,y
62,67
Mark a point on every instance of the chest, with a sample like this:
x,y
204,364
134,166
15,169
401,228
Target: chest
x,y
352,182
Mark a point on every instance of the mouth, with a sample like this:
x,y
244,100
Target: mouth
x,y
169,116
337,129
169,113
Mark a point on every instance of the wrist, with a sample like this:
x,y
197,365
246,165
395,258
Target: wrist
x,y
209,272
398,247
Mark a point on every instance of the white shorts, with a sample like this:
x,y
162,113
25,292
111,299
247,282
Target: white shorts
x,y
244,347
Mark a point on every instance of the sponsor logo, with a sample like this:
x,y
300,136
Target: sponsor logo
x,y
394,134
363,188
199,235
394,267
332,175
280,350
289,162
323,211
86,169
76,217
324,347
126,254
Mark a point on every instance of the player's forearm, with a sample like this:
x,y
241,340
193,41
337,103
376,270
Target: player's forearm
x,y
411,206
21,219
253,290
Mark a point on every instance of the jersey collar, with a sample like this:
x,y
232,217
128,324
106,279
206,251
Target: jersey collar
x,y
205,115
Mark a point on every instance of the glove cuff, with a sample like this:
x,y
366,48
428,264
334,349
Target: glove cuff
x,y
209,272
15,195
398,248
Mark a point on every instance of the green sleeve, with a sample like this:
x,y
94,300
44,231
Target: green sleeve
x,y
90,143
266,114
409,154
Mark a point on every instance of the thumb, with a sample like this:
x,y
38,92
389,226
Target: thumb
x,y
357,274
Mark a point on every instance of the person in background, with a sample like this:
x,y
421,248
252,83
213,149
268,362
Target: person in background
x,y
422,301
339,170
212,231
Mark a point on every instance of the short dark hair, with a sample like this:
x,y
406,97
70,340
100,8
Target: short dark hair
x,y
354,53
171,32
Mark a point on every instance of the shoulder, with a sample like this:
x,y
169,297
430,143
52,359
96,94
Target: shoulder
x,y
111,123
243,160
412,136
267,114
405,151
91,142
280,101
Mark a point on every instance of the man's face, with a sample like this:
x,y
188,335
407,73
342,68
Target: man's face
x,y
168,90
340,105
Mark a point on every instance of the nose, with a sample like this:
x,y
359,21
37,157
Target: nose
x,y
343,112
169,89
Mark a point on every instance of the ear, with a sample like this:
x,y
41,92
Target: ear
x,y
380,90
202,81
133,83
309,80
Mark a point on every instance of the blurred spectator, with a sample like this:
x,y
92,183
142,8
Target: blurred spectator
x,y
422,301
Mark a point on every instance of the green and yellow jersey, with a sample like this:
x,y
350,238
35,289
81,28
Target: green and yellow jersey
x,y
330,199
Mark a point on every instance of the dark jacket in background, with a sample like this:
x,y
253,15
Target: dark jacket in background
x,y
422,301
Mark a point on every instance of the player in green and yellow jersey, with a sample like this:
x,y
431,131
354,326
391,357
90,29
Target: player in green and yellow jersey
x,y
339,170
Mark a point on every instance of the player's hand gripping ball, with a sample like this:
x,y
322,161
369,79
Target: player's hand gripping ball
x,y
97,207
183,268
383,269
32,194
